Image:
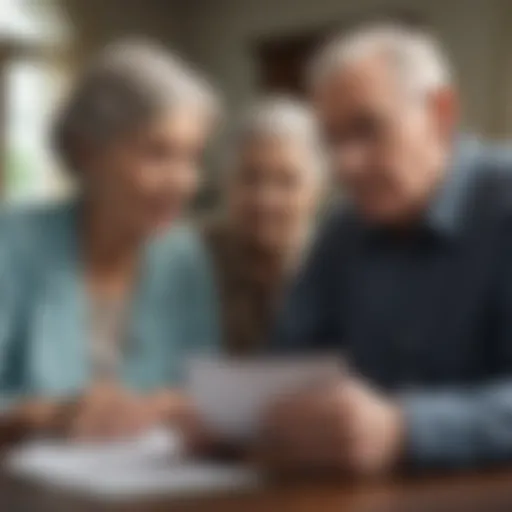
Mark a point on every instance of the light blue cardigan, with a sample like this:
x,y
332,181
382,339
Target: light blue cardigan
x,y
44,345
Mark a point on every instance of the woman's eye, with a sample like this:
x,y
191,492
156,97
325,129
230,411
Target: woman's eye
x,y
250,176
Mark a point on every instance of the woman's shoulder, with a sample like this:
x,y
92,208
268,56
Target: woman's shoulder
x,y
33,222
182,246
27,234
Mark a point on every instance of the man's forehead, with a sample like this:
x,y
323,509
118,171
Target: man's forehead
x,y
369,80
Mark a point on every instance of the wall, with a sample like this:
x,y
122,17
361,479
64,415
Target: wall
x,y
95,23
219,35
89,24
505,79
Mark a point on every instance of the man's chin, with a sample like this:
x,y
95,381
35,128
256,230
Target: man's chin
x,y
270,242
386,216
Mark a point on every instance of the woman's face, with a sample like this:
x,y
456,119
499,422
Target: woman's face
x,y
273,192
146,178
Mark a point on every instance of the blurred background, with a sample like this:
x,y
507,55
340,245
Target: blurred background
x,y
245,46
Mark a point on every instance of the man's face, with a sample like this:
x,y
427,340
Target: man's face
x,y
386,144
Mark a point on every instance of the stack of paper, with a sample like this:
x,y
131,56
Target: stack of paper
x,y
149,465
230,397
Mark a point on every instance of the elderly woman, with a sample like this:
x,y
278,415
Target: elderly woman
x,y
273,189
102,300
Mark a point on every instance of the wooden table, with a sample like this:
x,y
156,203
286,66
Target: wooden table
x,y
485,492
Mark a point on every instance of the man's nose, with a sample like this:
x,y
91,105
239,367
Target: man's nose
x,y
350,160
180,177
267,199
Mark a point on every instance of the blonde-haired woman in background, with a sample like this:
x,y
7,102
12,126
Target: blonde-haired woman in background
x,y
102,300
273,185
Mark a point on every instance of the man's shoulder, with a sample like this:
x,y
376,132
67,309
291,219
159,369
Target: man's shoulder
x,y
339,222
493,163
335,233
496,155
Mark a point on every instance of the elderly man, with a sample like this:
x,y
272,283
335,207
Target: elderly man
x,y
412,283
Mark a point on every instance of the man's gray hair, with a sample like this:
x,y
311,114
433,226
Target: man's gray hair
x,y
127,85
283,117
417,55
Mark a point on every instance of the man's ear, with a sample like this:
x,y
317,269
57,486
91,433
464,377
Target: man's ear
x,y
445,103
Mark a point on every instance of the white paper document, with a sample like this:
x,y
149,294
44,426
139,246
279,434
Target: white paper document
x,y
149,465
54,457
231,396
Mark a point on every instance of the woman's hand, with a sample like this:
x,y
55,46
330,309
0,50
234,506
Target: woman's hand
x,y
177,411
106,411
29,418
111,412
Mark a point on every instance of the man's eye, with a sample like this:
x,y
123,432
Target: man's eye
x,y
249,176
365,128
334,137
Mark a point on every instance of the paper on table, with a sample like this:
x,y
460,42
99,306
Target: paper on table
x,y
231,395
49,459
192,477
151,464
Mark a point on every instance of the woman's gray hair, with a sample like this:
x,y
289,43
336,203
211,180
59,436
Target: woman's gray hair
x,y
127,85
283,117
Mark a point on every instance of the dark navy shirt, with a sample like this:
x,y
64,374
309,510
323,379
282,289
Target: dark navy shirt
x,y
426,314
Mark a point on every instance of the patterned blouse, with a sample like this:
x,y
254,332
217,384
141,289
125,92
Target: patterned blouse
x,y
250,287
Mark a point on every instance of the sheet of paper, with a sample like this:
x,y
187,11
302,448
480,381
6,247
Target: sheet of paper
x,y
150,465
51,458
231,396
186,478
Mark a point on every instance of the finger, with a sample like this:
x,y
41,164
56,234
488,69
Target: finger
x,y
100,416
83,427
128,417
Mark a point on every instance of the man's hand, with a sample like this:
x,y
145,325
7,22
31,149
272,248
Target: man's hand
x,y
348,427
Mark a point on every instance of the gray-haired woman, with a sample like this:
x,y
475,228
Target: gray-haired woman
x,y
273,188
102,300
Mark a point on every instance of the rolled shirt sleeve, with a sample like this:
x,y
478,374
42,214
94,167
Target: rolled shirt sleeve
x,y
459,428
469,426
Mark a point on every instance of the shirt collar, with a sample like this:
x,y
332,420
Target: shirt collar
x,y
447,209
446,212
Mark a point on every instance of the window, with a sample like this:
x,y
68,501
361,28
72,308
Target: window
x,y
30,32
29,171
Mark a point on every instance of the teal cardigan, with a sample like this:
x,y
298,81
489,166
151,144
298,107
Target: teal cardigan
x,y
44,339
